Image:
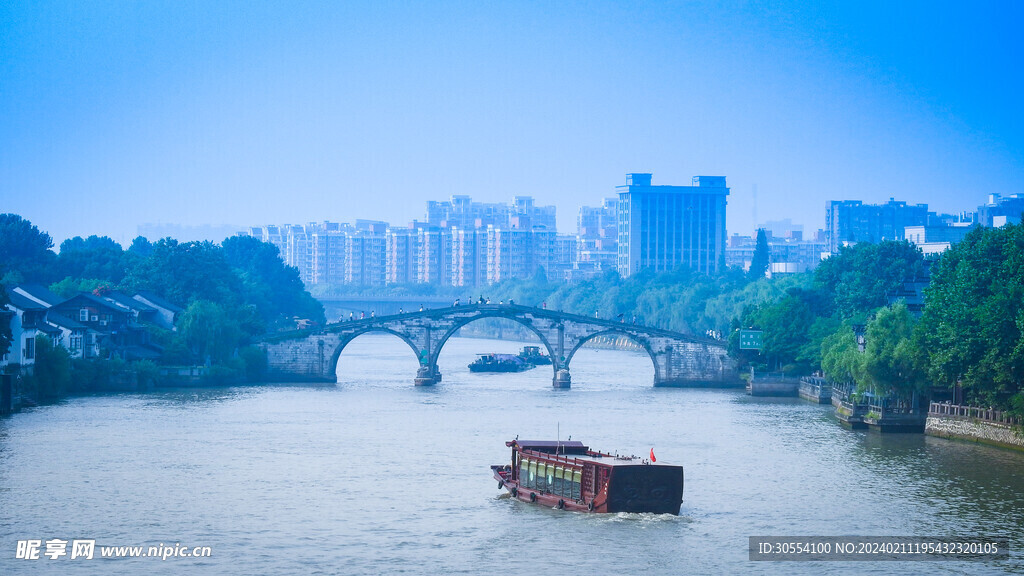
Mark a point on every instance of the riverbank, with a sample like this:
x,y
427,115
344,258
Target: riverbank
x,y
19,391
971,424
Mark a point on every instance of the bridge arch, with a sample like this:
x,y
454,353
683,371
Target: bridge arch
x,y
617,332
348,338
525,322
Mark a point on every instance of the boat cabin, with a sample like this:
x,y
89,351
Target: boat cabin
x,y
570,475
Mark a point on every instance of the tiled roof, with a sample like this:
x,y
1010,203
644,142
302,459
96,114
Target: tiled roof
x,y
158,301
64,321
40,292
23,303
127,301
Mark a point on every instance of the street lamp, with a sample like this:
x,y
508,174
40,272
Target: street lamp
x,y
859,331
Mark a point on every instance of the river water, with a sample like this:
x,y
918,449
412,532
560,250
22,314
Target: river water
x,y
375,475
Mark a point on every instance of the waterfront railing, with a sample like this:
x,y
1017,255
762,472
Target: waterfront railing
x,y
973,412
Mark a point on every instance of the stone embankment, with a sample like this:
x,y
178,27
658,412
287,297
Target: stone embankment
x,y
974,424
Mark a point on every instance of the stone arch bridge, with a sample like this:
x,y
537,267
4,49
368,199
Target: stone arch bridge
x,y
679,359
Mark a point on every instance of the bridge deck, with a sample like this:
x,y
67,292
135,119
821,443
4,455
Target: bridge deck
x,y
495,310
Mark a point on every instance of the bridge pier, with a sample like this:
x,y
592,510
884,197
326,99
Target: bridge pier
x,y
562,379
427,376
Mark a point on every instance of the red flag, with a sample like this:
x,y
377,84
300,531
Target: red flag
x,y
653,459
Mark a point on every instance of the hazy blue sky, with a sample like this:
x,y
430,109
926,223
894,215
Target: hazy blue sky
x,y
114,114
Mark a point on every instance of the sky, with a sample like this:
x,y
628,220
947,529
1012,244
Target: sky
x,y
120,114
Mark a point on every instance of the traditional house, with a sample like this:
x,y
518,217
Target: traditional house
x,y
80,341
27,316
166,312
118,332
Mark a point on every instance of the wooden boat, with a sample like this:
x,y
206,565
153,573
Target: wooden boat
x,y
570,476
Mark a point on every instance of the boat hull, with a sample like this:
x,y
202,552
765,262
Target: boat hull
x,y
639,489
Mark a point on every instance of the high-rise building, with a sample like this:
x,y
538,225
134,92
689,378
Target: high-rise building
x,y
328,247
851,221
366,254
564,258
469,257
596,239
434,257
402,252
661,227
453,248
462,212
298,251
518,252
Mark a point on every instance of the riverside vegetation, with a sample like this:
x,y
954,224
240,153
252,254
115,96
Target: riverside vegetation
x,y
230,293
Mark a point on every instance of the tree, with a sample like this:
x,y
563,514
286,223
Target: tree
x,y
51,375
141,246
184,272
973,322
25,254
861,278
92,257
891,365
69,286
275,289
209,331
787,325
840,357
762,256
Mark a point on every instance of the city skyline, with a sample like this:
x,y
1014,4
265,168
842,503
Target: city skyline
x,y
234,114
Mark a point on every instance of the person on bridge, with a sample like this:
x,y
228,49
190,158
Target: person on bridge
x,y
400,311
351,316
510,302
421,307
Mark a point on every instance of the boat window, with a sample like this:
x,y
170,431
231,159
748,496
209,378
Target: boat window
x,y
524,471
550,478
559,483
577,482
532,482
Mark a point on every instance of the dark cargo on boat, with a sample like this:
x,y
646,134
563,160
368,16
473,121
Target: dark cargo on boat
x,y
570,476
499,363
533,356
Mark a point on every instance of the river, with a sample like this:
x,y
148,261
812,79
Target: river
x,y
375,476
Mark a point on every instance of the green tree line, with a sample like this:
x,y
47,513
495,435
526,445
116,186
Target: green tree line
x,y
231,292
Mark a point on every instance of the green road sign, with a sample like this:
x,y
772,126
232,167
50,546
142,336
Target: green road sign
x,y
750,339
